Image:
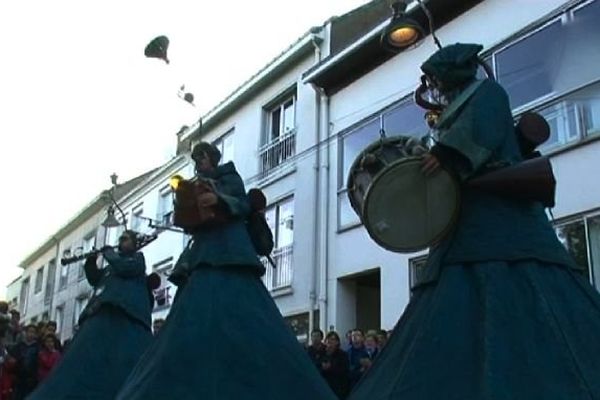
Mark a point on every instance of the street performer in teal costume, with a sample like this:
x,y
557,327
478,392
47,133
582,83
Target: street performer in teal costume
x,y
114,329
502,311
224,338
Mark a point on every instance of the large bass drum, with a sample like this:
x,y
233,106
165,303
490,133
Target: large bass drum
x,y
402,209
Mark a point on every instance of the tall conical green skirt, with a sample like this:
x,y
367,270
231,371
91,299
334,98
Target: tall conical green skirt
x,y
225,339
496,330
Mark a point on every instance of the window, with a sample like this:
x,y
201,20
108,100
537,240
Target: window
x,y
279,140
164,294
280,218
555,59
165,207
404,118
281,119
299,324
50,281
59,318
527,69
136,218
39,280
415,271
581,237
225,146
64,277
115,232
89,242
80,304
573,117
24,297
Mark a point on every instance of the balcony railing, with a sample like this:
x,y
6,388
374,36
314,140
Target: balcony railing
x,y
281,276
277,152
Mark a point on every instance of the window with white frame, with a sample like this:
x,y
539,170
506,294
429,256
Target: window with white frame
x,y
581,237
404,118
136,218
573,117
24,298
163,295
279,139
59,313
165,207
415,271
225,146
281,119
64,276
89,242
39,280
280,218
80,303
50,281
553,60
115,233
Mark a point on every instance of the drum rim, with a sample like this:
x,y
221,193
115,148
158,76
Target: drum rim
x,y
358,159
437,238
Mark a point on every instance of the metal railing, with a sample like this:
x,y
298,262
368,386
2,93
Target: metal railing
x,y
277,151
281,276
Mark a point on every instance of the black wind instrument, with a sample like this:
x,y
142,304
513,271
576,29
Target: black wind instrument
x,y
142,241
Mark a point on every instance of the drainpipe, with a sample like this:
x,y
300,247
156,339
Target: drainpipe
x,y
56,269
315,264
323,208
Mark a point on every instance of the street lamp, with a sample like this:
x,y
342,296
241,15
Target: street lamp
x,y
403,32
111,221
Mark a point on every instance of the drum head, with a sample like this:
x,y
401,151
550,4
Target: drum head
x,y
405,211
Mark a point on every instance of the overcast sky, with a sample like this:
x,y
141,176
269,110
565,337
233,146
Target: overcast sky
x,y
79,101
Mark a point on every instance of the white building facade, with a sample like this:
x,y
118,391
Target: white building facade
x,y
48,290
544,53
295,127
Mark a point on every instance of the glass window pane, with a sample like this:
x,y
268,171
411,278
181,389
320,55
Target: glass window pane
x,y
562,118
408,119
285,234
288,116
227,148
572,236
594,243
271,216
354,143
527,69
275,123
347,215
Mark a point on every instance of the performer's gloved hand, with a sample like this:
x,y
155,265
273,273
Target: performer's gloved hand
x,y
207,199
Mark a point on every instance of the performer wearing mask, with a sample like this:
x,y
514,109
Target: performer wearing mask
x,y
114,328
221,299
502,312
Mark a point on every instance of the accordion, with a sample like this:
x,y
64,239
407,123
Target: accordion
x,y
187,211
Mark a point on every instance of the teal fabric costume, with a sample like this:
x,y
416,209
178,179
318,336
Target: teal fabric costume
x,y
114,332
501,312
224,338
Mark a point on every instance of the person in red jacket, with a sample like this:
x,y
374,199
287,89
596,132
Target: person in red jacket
x,y
48,357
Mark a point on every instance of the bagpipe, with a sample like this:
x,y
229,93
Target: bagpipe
x,y
188,213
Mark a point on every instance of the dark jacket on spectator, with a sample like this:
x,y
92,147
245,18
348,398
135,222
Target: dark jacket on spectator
x,y
337,375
